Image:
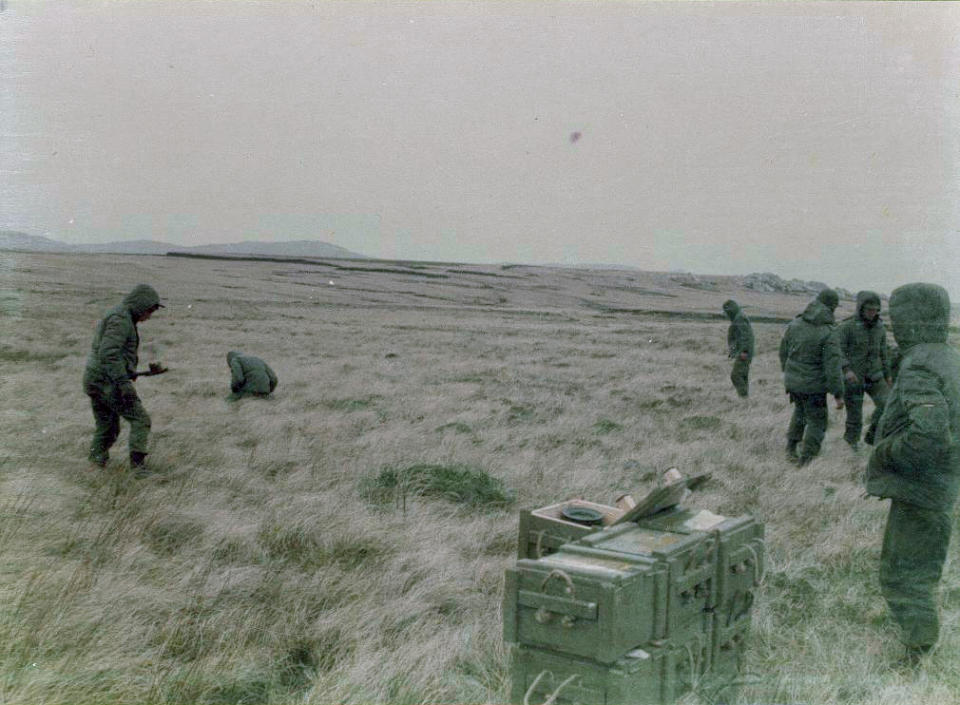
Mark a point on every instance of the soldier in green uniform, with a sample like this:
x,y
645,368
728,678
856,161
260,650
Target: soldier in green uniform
x,y
810,360
250,375
916,462
739,346
109,375
866,366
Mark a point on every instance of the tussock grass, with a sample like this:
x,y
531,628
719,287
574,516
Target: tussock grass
x,y
473,487
345,540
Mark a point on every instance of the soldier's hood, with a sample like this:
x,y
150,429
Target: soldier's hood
x,y
141,299
731,308
864,298
817,314
232,355
919,313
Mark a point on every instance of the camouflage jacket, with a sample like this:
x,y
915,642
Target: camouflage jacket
x,y
863,343
809,354
113,353
740,332
250,375
917,455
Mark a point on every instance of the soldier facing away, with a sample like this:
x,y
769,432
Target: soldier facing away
x,y
739,346
866,366
810,360
250,375
110,373
916,463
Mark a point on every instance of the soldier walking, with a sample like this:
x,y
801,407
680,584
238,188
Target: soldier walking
x,y
250,375
916,463
739,346
109,375
866,367
810,360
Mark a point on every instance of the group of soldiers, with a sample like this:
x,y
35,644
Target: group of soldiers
x,y
915,429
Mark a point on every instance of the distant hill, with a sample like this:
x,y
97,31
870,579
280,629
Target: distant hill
x,y
15,240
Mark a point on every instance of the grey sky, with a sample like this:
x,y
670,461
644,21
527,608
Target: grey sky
x,y
817,140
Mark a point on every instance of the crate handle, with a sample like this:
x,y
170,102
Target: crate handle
x,y
757,575
552,698
557,573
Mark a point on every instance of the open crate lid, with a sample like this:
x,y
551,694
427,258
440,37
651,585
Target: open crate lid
x,y
662,498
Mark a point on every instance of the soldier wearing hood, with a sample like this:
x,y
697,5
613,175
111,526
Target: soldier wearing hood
x,y
110,373
866,365
916,462
250,375
810,360
739,346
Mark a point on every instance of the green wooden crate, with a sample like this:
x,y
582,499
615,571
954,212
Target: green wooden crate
x,y
583,602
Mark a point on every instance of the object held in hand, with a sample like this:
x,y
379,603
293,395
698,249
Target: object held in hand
x,y
155,368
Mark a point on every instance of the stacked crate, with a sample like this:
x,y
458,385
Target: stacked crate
x,y
631,613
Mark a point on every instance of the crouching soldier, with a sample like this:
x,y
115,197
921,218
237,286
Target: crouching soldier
x,y
250,375
866,368
109,375
810,360
739,346
916,463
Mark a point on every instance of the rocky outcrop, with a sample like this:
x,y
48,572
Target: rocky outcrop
x,y
768,282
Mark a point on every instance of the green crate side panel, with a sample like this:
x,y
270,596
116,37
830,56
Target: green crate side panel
x,y
727,659
590,606
538,674
740,549
659,675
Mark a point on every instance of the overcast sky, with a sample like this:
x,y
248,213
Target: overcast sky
x,y
814,140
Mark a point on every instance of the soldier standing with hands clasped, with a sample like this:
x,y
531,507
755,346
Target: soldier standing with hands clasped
x,y
866,368
810,360
916,463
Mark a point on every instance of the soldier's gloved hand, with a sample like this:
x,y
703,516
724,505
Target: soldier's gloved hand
x,y
851,377
744,356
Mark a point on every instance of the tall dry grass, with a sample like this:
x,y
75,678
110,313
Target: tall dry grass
x,y
272,558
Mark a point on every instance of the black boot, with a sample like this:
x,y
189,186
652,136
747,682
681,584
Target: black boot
x,y
792,451
138,464
99,459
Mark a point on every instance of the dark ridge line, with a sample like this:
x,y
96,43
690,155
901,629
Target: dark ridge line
x,y
683,315
312,262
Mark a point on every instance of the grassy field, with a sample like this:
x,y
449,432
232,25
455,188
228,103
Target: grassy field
x,y
345,540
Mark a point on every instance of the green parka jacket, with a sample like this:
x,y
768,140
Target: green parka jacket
x,y
249,374
917,456
113,354
809,354
740,332
863,343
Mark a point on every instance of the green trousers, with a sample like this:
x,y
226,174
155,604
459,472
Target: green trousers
x,y
853,402
911,562
108,409
740,376
808,425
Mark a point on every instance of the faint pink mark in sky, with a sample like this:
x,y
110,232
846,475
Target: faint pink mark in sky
x,y
574,136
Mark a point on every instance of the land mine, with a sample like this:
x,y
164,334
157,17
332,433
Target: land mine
x,y
346,539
